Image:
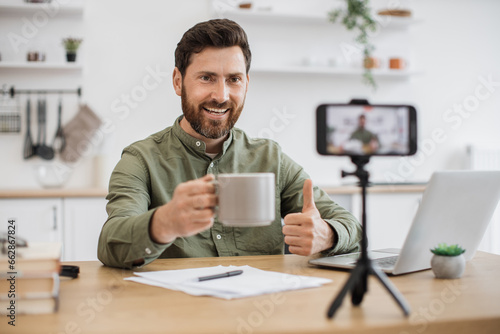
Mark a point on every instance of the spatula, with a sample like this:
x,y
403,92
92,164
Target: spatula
x,y
29,150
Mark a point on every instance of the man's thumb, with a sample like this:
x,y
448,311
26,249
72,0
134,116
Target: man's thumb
x,y
308,195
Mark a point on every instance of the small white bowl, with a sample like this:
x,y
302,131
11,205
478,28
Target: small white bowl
x,y
52,175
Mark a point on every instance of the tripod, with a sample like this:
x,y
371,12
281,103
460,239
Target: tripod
x,y
358,281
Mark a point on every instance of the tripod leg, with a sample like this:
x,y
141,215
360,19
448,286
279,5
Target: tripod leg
x,y
392,289
356,275
359,289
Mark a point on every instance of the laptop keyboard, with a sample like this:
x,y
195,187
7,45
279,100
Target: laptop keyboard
x,y
386,262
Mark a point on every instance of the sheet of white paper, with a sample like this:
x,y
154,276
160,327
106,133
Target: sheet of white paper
x,y
252,282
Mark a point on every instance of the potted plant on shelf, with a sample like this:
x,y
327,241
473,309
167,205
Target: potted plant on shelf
x,y
357,16
448,261
71,45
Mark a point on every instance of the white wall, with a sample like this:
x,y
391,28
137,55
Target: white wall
x,y
456,45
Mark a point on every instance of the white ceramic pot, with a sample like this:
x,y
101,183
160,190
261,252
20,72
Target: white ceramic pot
x,y
448,266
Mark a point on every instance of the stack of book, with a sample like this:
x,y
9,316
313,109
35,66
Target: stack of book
x,y
29,279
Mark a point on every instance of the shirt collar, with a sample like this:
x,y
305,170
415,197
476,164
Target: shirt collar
x,y
196,144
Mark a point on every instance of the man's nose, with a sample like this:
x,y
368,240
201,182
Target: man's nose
x,y
221,92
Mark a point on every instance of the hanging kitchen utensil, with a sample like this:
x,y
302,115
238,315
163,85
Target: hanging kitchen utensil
x,y
10,117
38,127
59,140
29,149
43,151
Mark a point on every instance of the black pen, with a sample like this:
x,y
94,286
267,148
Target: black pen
x,y
228,274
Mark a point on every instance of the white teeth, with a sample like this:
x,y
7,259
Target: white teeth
x,y
216,111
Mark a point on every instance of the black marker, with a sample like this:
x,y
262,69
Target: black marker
x,y
228,274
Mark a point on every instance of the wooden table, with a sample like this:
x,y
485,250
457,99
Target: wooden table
x,y
100,301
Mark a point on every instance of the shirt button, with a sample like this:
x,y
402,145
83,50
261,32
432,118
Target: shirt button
x,y
211,164
147,250
198,143
218,237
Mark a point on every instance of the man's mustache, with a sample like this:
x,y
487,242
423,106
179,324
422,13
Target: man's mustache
x,y
215,105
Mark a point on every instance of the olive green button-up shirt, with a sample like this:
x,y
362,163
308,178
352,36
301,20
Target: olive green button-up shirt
x,y
150,169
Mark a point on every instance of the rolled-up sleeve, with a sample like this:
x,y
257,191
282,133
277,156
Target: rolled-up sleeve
x,y
125,235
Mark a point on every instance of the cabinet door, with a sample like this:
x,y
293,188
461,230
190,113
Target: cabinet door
x,y
36,219
83,218
389,217
344,201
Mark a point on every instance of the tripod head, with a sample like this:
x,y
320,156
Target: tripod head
x,y
360,173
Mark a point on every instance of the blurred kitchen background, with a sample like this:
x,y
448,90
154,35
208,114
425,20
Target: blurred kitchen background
x,y
450,73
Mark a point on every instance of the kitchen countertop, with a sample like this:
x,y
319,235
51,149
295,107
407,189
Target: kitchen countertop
x,y
100,192
53,192
375,188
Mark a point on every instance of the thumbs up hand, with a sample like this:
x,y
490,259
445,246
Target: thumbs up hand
x,y
306,232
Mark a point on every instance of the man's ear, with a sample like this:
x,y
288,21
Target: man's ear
x,y
177,81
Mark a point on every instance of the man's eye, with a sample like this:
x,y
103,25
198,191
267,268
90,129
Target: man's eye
x,y
205,78
235,79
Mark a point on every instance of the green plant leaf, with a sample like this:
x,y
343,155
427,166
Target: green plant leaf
x,y
445,250
71,44
358,17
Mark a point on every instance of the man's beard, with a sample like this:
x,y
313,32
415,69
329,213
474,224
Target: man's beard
x,y
204,126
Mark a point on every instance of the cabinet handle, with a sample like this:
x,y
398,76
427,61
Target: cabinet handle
x,y
54,212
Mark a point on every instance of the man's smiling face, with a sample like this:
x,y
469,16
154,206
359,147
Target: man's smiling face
x,y
213,90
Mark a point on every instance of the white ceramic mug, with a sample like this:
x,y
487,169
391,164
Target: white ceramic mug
x,y
246,199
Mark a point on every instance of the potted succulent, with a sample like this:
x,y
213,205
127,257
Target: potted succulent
x,y
71,45
448,261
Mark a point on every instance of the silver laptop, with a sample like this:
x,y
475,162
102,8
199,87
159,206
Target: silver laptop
x,y
456,208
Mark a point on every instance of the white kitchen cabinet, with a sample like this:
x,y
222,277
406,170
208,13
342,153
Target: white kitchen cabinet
x,y
36,219
74,221
389,216
390,211
344,200
83,220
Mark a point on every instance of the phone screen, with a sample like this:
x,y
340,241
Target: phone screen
x,y
366,130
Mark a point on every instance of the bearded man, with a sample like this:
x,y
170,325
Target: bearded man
x,y
162,196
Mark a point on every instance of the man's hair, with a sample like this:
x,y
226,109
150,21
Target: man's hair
x,y
219,33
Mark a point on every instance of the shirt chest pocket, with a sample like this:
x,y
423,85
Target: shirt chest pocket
x,y
263,239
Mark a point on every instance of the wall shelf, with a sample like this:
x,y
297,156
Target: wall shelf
x,y
274,17
309,20
268,16
40,65
333,71
17,7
